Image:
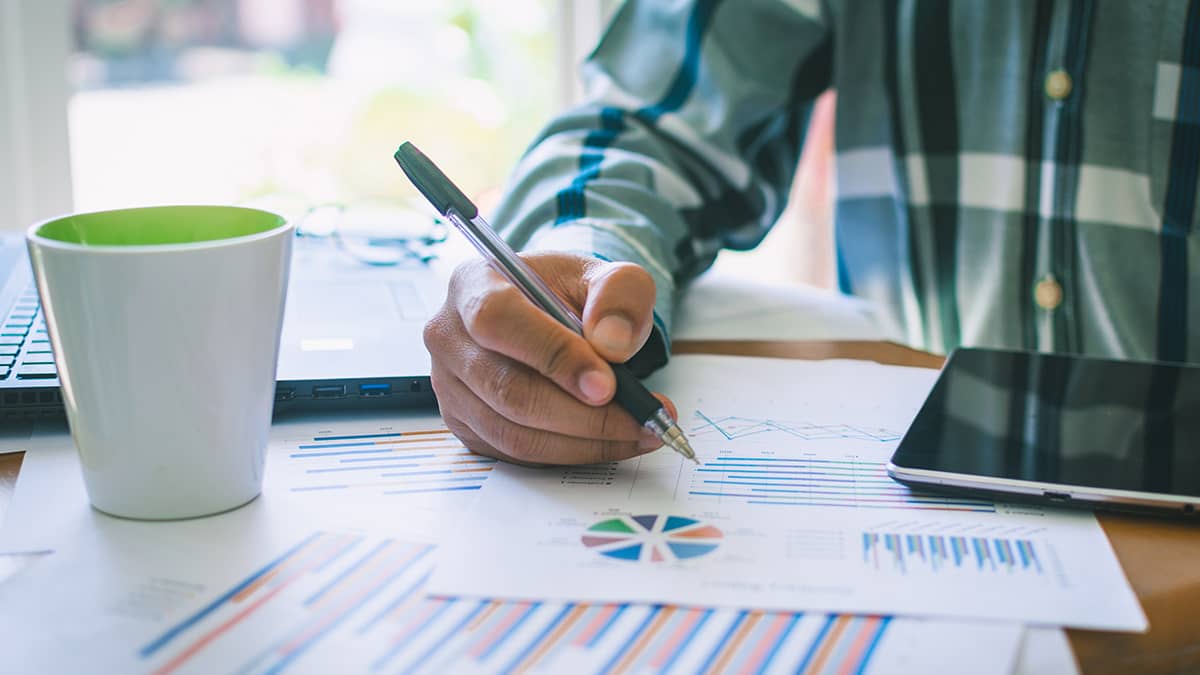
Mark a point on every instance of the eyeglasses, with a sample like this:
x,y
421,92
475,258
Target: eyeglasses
x,y
381,236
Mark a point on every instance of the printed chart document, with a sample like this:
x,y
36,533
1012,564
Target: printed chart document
x,y
344,601
791,509
1045,651
402,474
311,577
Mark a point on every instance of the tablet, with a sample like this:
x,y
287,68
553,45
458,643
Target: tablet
x,y
1065,430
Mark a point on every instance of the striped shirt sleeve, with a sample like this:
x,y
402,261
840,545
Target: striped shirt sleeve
x,y
687,142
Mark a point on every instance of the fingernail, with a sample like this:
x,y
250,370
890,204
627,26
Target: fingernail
x,y
670,406
596,385
615,333
649,441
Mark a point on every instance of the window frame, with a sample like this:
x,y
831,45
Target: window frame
x,y
35,162
579,27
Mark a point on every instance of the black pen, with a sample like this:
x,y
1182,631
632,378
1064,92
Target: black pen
x,y
459,210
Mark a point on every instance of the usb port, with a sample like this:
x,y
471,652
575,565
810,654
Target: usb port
x,y
285,394
375,389
329,391
1058,496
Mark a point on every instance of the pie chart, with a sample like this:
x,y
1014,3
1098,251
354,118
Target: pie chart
x,y
652,538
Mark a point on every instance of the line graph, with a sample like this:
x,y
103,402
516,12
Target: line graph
x,y
732,427
768,462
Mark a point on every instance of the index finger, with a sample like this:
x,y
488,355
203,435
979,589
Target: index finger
x,y
501,319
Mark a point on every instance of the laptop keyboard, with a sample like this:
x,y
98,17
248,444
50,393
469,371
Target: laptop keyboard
x,y
24,343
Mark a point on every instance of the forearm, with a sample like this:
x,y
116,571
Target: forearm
x,y
687,144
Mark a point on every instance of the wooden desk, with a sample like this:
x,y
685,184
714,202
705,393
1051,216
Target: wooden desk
x,y
1161,559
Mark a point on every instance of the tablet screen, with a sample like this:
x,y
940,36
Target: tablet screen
x,y
1061,419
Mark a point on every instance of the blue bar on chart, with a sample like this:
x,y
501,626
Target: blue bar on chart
x,y
346,602
394,463
846,471
904,553
810,481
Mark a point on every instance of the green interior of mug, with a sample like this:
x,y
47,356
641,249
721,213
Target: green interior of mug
x,y
158,225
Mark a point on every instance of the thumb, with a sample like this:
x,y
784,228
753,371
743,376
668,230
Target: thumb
x,y
618,311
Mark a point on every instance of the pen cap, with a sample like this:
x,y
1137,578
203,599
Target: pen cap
x,y
432,183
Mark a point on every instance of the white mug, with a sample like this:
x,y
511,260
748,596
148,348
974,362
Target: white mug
x,y
165,325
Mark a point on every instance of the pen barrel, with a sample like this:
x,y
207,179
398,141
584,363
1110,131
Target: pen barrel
x,y
633,396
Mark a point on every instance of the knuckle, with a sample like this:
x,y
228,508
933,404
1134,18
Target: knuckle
x,y
459,429
613,451
463,273
630,280
470,310
484,313
610,422
435,333
510,389
526,408
501,382
468,438
475,367
480,448
517,443
635,275
437,380
556,356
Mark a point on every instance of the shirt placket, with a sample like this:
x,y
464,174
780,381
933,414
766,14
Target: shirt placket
x,y
1053,284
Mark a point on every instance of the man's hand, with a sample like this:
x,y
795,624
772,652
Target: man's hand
x,y
514,384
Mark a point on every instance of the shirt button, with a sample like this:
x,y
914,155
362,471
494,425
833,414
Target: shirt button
x,y
1048,293
1058,84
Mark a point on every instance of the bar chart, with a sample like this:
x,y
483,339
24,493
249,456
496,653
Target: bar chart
x,y
766,462
905,553
852,482
392,463
443,635
341,602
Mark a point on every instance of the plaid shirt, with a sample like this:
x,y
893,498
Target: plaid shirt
x,y
1009,174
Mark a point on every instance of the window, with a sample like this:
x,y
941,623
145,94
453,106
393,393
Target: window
x,y
287,103
300,100
295,102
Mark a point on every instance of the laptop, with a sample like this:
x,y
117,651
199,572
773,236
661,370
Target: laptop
x,y
351,335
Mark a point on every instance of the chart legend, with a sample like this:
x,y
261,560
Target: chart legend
x,y
652,538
